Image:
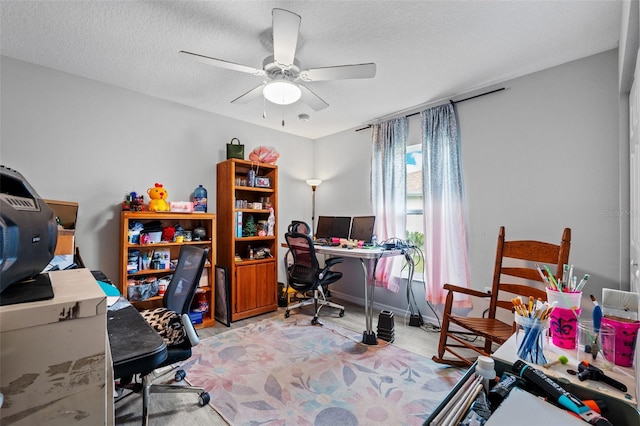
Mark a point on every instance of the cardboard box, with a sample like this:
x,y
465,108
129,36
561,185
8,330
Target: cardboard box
x,y
204,278
67,214
54,355
66,242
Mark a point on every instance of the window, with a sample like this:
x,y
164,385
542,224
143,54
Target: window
x,y
415,204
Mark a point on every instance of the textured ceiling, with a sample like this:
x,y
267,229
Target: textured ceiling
x,y
424,50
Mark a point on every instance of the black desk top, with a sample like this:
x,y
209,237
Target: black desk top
x,y
135,346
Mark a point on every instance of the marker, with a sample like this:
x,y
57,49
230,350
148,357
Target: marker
x,y
582,282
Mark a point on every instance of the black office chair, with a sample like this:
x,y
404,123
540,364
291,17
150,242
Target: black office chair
x,y
172,322
304,274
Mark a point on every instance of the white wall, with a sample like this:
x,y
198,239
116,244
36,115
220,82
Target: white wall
x,y
537,157
79,140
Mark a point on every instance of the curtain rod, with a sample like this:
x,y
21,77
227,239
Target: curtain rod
x,y
452,102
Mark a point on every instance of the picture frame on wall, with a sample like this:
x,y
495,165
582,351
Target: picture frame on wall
x,y
222,311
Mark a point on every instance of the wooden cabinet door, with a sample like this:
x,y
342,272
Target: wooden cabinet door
x,y
255,287
266,291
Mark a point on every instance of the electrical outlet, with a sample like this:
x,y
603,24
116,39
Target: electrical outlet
x,y
487,289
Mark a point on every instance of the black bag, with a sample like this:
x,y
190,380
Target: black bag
x,y
235,150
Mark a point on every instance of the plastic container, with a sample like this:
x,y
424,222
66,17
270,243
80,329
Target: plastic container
x,y
485,368
200,199
565,299
597,348
626,337
564,317
530,339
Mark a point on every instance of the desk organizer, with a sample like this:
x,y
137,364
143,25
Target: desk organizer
x,y
626,332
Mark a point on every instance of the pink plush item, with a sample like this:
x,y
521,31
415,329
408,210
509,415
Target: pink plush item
x,y
264,154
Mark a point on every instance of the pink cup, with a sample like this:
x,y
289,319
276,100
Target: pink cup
x,y
626,335
563,326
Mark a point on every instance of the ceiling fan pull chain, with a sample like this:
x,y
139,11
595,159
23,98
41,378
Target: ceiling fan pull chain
x,y
282,117
264,107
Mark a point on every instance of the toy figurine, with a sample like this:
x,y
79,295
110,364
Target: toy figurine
x,y
133,202
271,223
158,195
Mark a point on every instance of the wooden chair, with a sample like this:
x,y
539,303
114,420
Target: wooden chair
x,y
513,259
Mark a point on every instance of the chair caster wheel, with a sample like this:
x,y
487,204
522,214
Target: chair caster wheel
x,y
203,399
314,321
341,313
286,314
180,375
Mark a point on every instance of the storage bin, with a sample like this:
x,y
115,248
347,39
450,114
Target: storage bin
x,y
196,317
138,292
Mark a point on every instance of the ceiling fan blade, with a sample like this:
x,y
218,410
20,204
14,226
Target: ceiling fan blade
x,y
223,64
339,72
251,95
314,101
286,26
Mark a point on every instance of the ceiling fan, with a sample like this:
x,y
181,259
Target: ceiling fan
x,y
284,76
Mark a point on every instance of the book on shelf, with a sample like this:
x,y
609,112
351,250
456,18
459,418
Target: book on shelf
x,y
238,224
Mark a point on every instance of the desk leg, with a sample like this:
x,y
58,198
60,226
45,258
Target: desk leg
x,y
369,267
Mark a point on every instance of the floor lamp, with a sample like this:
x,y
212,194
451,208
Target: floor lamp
x,y
313,183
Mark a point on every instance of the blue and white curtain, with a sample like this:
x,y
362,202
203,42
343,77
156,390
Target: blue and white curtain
x,y
445,224
388,192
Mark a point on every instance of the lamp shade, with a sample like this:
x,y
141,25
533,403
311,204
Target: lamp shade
x,y
281,92
313,182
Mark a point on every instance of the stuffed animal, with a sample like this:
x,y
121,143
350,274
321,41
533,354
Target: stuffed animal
x,y
158,197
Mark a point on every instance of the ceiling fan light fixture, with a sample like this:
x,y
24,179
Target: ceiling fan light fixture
x,y
282,92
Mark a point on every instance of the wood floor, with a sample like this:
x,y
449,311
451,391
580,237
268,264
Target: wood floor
x,y
182,408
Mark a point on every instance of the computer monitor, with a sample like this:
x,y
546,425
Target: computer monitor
x,y
341,226
325,224
362,228
333,227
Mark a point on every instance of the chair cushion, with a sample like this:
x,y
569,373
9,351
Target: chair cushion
x,y
167,324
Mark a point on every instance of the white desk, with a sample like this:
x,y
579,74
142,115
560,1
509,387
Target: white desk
x,y
628,376
369,258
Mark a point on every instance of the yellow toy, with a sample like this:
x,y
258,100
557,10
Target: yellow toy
x,y
158,196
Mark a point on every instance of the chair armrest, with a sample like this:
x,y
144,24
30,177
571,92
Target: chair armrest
x,y
189,330
333,261
469,291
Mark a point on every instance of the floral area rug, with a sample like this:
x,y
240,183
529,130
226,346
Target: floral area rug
x,y
288,372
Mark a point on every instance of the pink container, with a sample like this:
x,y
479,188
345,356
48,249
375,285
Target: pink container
x,y
626,336
563,326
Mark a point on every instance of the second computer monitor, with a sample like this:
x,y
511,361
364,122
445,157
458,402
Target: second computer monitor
x,y
333,227
362,228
